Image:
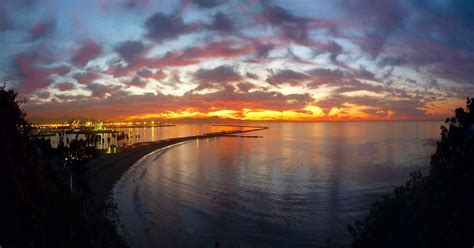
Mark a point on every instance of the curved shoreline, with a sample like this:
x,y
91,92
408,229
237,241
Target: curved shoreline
x,y
124,190
105,170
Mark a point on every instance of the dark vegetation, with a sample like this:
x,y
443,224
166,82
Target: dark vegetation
x,y
45,198
435,210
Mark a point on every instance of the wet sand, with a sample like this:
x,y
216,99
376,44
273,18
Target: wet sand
x,y
106,169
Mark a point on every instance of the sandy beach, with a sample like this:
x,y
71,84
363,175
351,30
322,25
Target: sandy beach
x,y
106,169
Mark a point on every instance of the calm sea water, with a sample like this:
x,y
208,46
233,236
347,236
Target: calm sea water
x,y
298,186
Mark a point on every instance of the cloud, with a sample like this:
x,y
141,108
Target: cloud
x,y
252,76
334,49
321,76
131,4
278,16
146,73
160,27
43,28
221,23
194,55
385,18
434,59
261,52
86,78
33,73
208,3
88,50
115,104
65,86
288,76
5,21
427,36
219,74
133,53
363,73
392,61
293,28
131,50
373,107
138,82
245,87
102,91
356,54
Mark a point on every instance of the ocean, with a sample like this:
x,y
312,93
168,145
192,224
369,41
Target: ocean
x,y
298,185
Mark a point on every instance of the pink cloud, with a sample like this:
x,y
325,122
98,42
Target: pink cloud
x,y
33,75
66,86
190,56
86,78
87,51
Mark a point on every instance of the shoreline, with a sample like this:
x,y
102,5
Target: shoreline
x,y
105,170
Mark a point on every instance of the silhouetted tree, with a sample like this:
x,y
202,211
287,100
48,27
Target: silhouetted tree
x,y
36,208
22,188
436,210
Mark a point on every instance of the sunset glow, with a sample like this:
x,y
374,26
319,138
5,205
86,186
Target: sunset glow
x,y
244,60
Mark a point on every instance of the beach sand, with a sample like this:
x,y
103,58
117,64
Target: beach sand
x,y
106,169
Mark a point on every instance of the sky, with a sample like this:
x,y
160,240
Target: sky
x,y
250,60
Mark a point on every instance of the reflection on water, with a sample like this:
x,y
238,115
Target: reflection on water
x,y
299,185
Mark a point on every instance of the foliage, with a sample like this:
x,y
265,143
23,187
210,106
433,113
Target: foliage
x,y
38,209
436,210
22,188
